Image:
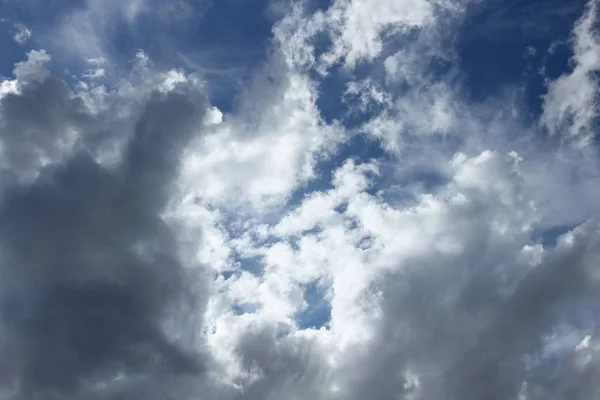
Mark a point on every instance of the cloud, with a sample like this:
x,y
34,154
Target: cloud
x,y
93,29
259,156
351,38
571,104
22,34
153,245
442,299
94,73
445,294
93,284
38,118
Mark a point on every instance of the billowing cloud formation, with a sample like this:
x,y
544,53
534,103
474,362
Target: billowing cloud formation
x,y
90,270
354,224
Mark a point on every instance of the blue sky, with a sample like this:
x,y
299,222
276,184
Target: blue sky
x,y
341,199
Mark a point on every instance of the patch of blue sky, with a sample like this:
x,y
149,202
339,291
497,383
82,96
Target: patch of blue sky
x,y
330,93
580,314
226,46
576,319
317,314
12,13
38,14
253,265
227,274
294,241
548,236
312,6
394,185
508,43
332,102
245,308
225,43
357,147
12,52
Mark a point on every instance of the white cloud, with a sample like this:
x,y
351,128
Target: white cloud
x,y
97,61
8,86
354,38
453,263
31,70
260,156
430,291
477,228
571,107
22,33
34,68
89,31
215,116
94,73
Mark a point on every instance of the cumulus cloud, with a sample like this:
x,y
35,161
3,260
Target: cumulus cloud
x,y
93,283
154,245
442,299
444,294
258,157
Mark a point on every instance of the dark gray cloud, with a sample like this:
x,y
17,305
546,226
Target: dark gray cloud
x,y
36,121
90,270
291,365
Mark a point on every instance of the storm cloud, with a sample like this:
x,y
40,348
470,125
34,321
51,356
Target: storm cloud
x,y
90,269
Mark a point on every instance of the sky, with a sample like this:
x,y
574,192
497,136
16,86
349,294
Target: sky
x,y
308,199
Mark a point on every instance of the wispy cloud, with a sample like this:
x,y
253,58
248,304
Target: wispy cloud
x,y
571,106
22,33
